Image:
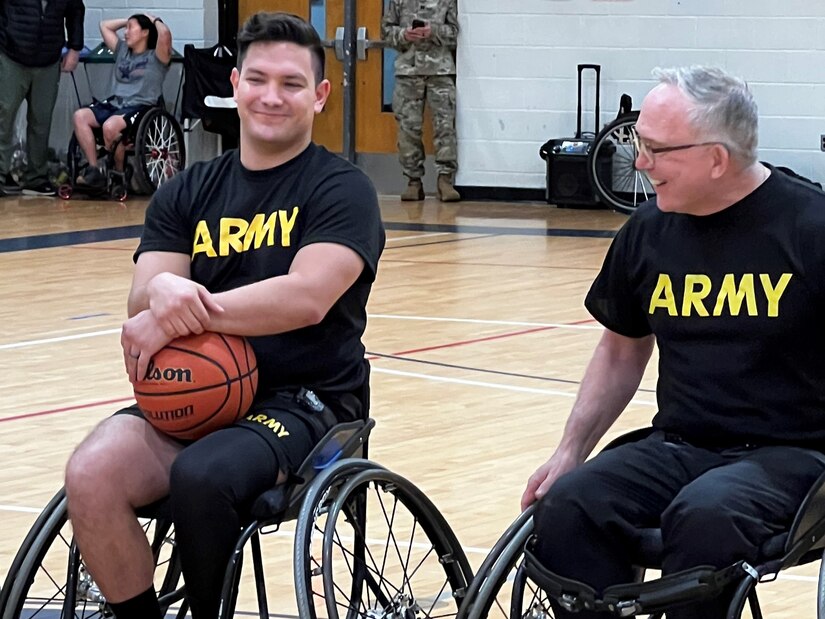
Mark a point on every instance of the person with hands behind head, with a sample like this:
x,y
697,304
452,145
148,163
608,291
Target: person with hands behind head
x,y
425,33
279,242
142,60
724,272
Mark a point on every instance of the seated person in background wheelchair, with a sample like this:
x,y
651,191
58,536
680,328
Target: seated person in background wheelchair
x,y
724,270
300,295
142,60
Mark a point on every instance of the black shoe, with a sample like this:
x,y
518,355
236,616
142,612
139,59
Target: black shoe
x,y
11,186
41,189
92,177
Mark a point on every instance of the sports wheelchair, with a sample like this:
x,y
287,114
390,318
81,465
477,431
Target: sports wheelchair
x,y
155,152
512,583
367,543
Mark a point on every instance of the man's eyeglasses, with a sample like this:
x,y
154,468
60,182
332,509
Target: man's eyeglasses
x,y
650,152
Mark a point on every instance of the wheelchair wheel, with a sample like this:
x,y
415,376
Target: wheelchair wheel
x,y
611,166
23,551
52,580
500,588
159,150
75,161
374,546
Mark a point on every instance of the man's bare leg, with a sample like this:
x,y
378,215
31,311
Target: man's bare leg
x,y
122,465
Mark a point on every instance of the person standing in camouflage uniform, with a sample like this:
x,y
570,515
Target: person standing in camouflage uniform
x,y
424,69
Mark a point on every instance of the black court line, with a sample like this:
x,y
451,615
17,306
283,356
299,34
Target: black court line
x,y
454,240
484,370
62,239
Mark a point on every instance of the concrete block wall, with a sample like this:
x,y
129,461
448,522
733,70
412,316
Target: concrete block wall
x,y
517,72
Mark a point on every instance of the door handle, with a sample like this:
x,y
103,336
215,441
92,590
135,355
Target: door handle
x,y
362,43
338,44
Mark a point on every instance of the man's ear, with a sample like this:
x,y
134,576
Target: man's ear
x,y
322,91
720,162
235,78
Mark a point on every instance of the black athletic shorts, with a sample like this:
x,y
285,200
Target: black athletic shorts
x,y
291,422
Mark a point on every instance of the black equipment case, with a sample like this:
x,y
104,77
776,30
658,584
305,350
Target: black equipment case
x,y
568,183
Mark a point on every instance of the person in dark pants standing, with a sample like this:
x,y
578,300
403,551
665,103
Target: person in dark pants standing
x,y
32,36
724,272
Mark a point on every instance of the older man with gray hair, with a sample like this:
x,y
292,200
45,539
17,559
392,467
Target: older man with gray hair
x,y
723,271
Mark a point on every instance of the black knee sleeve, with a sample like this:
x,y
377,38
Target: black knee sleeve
x,y
213,481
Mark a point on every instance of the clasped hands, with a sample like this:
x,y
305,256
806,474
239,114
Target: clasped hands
x,y
177,307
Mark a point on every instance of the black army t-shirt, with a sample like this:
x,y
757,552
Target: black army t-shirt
x,y
242,226
736,301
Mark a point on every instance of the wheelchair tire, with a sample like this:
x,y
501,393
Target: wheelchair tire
x,y
494,592
386,551
160,153
25,547
74,161
619,185
309,531
51,579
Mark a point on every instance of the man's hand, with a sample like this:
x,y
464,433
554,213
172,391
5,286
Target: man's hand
x,y
141,337
69,62
545,476
422,33
180,306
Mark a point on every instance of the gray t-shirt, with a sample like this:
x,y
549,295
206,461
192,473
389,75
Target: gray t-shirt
x,y
138,78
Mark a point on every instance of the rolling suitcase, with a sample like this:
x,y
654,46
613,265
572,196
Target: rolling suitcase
x,y
568,183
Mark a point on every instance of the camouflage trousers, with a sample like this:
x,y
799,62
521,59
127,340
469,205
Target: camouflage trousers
x,y
408,104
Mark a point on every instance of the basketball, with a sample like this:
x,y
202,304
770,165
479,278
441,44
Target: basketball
x,y
197,384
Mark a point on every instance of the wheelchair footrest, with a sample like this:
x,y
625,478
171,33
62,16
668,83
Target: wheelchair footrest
x,y
627,600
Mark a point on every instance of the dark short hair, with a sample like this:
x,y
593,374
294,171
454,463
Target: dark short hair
x,y
266,27
146,24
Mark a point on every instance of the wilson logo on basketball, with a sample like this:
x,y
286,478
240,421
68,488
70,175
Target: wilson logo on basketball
x,y
176,375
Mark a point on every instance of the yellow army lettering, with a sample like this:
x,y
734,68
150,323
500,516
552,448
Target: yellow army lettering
x,y
240,236
699,286
276,426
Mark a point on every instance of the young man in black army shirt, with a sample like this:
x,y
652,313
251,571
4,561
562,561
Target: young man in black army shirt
x,y
725,272
279,242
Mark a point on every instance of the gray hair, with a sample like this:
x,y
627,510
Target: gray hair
x,y
724,107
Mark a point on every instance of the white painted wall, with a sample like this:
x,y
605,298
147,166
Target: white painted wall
x,y
517,72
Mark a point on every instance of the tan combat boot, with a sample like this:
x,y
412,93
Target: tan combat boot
x,y
414,191
445,189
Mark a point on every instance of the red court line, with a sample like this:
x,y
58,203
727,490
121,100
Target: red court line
x,y
66,408
483,339
370,358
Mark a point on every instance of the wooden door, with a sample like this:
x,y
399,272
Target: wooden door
x,y
375,128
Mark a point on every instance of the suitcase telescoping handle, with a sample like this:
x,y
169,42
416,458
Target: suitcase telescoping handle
x,y
598,70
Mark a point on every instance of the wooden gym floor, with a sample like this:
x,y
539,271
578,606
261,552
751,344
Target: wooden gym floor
x,y
477,335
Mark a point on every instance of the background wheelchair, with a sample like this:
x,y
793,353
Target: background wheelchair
x,y
155,152
619,185
368,544
511,584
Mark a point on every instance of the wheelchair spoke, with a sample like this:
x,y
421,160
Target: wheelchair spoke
x,y
40,589
161,154
376,566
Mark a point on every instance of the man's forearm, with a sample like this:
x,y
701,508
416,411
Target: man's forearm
x,y
607,387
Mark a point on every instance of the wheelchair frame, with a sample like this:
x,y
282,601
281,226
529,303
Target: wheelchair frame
x,y
329,482
804,543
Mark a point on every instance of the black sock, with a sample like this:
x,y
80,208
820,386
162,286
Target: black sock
x,y
142,606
